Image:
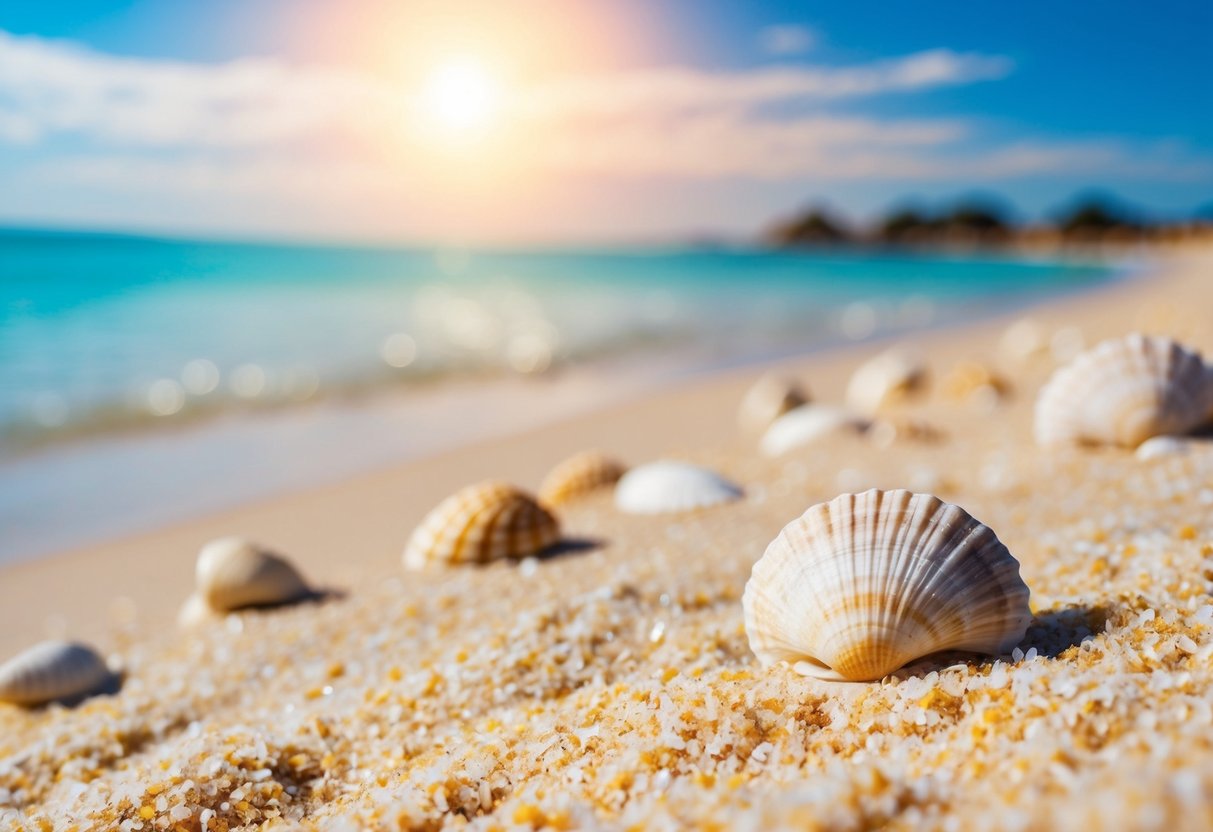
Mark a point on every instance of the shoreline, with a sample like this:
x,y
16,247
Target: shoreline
x,y
235,458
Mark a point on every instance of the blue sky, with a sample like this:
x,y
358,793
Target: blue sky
x,y
603,121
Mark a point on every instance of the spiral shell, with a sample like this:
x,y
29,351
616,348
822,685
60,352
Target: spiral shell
x,y
770,397
233,573
857,587
660,487
892,376
53,671
806,424
580,474
1122,392
479,524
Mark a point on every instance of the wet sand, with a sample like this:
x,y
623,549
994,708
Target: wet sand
x,y
612,686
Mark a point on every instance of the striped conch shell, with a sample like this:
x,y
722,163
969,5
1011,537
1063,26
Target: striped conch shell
x,y
233,573
892,376
53,671
770,397
661,487
580,474
864,584
479,524
1122,392
806,424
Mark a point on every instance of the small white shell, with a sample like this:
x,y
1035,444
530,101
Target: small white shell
x,y
233,573
481,523
1161,446
806,424
857,587
892,376
52,671
661,487
770,397
578,475
1122,392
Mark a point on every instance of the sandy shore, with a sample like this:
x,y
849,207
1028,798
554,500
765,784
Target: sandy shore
x,y
612,686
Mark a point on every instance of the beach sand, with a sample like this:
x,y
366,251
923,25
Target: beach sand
x,y
612,686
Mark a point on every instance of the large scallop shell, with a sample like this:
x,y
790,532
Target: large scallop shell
x,y
857,587
52,671
806,424
1122,392
770,397
580,474
660,487
482,523
233,573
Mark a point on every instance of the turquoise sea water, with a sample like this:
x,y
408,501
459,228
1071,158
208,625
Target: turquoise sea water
x,y
100,332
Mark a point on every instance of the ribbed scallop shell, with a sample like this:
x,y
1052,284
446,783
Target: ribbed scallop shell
x,y
770,397
892,376
52,671
806,424
482,523
864,584
661,487
1122,392
580,474
233,573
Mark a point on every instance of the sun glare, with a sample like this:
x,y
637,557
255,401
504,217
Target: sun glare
x,y
461,96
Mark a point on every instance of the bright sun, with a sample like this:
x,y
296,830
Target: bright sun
x,y
461,95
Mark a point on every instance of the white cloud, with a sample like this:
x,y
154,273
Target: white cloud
x,y
787,39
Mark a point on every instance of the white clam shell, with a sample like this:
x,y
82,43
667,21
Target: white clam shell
x,y
52,671
661,487
233,573
1163,446
769,398
864,584
891,376
1122,392
806,424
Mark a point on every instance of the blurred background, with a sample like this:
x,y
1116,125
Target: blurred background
x,y
251,246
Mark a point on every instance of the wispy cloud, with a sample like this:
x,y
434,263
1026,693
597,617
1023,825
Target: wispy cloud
x,y
333,137
787,39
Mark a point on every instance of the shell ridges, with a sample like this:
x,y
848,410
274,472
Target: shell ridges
x,y
482,523
580,474
52,671
857,587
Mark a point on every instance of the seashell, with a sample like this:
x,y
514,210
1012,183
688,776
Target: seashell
x,y
661,487
1122,392
53,671
770,397
969,379
195,611
1157,447
1023,341
806,424
884,433
233,573
892,376
482,523
580,474
864,584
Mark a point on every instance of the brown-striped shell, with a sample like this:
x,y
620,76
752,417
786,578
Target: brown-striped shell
x,y
580,474
53,671
1124,391
857,587
482,523
233,573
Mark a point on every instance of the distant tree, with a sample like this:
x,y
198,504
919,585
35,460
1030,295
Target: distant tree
x,y
817,227
1096,216
977,218
905,225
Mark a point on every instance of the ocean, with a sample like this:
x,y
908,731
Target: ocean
x,y
108,343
